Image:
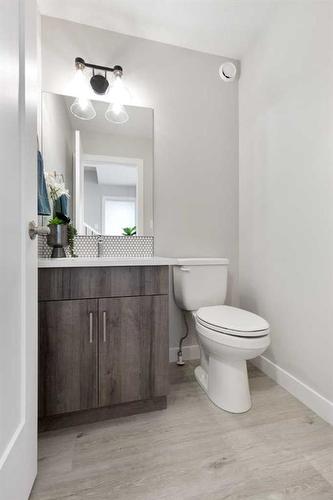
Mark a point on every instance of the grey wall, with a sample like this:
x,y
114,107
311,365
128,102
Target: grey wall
x,y
57,139
93,198
196,135
286,181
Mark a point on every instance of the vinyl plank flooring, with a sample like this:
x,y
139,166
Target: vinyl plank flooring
x,y
55,455
279,450
322,461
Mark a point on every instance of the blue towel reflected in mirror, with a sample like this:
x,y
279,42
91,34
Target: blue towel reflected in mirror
x,y
43,204
61,205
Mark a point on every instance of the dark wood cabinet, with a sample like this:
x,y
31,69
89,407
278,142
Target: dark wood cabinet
x,y
98,282
131,331
68,356
102,357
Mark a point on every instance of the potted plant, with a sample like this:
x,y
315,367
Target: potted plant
x,y
62,232
129,231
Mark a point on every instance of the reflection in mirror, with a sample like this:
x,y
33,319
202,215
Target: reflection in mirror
x,y
107,167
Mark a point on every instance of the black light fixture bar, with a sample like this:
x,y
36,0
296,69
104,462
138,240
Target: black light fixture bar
x,y
79,62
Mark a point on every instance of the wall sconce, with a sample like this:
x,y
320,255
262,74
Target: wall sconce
x,y
82,107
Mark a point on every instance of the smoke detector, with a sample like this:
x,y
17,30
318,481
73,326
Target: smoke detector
x,y
228,71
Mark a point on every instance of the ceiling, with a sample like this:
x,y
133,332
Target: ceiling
x,y
117,174
222,27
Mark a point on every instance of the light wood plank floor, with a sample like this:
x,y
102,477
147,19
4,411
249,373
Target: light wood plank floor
x,y
279,450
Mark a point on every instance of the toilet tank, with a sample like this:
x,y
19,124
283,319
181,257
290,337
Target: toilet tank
x,y
200,282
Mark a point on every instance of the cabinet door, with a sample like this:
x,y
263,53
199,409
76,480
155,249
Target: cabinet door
x,y
68,355
133,356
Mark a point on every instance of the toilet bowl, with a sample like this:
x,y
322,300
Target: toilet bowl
x,y
227,336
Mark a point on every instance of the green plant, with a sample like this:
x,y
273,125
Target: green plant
x,y
59,218
56,221
71,233
129,231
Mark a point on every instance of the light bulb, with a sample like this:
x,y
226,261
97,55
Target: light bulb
x,y
82,108
118,92
116,113
80,84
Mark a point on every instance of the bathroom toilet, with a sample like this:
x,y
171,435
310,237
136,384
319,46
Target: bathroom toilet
x,y
228,336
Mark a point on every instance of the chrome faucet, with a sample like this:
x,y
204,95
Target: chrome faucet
x,y
100,246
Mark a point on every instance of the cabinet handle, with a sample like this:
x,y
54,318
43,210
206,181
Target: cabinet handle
x,y
90,327
104,326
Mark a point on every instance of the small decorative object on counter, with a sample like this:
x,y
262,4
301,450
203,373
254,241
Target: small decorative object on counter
x,y
58,237
62,232
129,231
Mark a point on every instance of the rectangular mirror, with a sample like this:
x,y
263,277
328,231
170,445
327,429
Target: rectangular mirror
x,y
107,167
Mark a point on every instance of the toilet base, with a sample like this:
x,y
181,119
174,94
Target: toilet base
x,y
226,384
201,377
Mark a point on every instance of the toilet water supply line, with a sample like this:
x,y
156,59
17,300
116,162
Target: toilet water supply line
x,y
180,361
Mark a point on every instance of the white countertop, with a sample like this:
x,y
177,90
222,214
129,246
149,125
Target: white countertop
x,y
106,261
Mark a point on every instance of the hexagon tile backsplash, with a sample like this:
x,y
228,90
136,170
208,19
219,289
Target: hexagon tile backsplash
x,y
113,246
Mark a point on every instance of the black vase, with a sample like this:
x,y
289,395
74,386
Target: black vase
x,y
58,239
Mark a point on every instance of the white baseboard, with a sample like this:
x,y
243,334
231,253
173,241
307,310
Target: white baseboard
x,y
320,405
189,352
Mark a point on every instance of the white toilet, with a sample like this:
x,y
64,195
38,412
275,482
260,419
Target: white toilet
x,y
228,336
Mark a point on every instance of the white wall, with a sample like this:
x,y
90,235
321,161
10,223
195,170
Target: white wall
x,y
286,192
195,128
57,139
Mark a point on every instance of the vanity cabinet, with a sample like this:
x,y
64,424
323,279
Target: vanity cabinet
x,y
130,349
68,356
103,343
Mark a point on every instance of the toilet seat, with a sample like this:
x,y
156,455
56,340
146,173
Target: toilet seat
x,y
232,321
233,341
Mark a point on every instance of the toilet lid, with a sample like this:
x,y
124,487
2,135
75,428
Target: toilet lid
x,y
232,320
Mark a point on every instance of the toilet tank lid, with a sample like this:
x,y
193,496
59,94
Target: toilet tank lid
x,y
202,261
